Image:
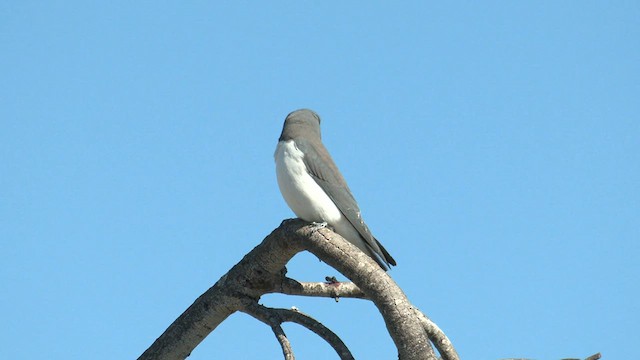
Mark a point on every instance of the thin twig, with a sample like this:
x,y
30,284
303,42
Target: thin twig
x,y
271,316
437,337
320,330
320,289
287,351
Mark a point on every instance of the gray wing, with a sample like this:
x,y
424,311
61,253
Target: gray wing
x,y
328,177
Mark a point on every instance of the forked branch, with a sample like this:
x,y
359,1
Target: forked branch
x,y
261,272
275,317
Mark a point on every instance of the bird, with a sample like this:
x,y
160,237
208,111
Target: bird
x,y
314,188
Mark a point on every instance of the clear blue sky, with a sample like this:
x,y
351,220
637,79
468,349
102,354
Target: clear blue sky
x,y
494,149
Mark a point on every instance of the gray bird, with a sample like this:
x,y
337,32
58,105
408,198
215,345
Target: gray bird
x,y
314,188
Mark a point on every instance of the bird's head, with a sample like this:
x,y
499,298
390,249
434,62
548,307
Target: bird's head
x,y
300,123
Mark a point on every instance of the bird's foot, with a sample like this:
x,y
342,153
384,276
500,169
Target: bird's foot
x,y
320,225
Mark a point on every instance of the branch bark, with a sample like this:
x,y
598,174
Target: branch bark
x,y
437,336
275,317
263,271
398,313
247,279
333,290
271,318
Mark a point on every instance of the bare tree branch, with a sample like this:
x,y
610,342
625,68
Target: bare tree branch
x,y
317,327
404,327
350,290
261,271
246,279
271,318
439,339
287,351
320,289
278,316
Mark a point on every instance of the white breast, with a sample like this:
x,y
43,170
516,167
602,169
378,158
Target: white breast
x,y
303,195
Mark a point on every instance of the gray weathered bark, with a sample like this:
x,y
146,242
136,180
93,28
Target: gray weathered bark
x,y
263,271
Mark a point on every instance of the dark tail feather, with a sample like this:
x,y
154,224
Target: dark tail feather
x,y
387,257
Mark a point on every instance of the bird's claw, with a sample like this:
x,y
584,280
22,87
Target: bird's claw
x,y
320,225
